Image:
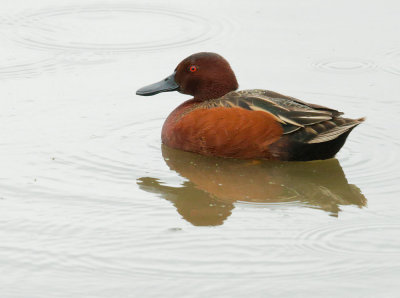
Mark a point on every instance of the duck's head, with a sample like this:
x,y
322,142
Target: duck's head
x,y
204,75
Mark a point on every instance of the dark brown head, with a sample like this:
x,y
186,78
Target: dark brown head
x,y
204,75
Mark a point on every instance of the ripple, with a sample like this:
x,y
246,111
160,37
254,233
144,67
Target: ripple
x,y
114,28
344,65
20,63
27,69
144,258
365,160
116,155
391,62
370,155
23,63
114,158
366,239
142,137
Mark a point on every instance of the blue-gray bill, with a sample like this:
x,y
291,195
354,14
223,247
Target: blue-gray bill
x,y
166,85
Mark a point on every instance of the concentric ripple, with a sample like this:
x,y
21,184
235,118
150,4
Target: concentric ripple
x,y
344,65
392,61
366,239
115,157
110,28
23,63
76,144
362,158
27,69
365,162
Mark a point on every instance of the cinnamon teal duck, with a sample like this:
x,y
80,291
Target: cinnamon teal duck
x,y
256,123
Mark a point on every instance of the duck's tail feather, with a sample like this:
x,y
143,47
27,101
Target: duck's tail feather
x,y
342,125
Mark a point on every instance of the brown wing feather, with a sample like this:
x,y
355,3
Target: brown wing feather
x,y
307,122
291,114
272,94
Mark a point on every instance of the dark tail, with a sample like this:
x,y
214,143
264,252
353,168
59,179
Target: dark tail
x,y
324,139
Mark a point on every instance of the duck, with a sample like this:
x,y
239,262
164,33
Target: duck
x,y
221,121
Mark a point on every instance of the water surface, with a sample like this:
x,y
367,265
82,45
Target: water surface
x,y
92,204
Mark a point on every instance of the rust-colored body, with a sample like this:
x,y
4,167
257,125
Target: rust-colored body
x,y
226,132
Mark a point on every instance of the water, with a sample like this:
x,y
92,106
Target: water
x,y
91,203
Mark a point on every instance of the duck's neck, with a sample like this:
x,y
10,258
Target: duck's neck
x,y
214,90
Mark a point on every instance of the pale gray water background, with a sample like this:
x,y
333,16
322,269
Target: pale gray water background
x,y
90,208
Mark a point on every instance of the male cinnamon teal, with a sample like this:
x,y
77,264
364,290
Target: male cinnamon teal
x,y
220,121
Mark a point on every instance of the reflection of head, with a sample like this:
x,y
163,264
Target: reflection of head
x,y
202,210
195,206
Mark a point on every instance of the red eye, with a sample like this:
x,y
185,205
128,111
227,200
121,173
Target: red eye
x,y
193,68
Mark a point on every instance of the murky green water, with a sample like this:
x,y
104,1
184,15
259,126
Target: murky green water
x,y
92,204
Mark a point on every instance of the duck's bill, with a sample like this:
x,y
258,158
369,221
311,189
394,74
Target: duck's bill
x,y
166,85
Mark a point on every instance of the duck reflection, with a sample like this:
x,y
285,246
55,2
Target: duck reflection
x,y
215,184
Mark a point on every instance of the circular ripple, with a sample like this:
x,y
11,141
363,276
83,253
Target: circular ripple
x,y
116,156
22,63
113,28
370,156
344,65
26,69
367,239
365,161
392,61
